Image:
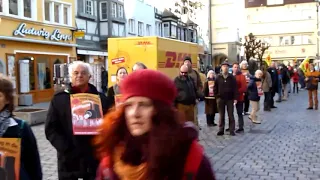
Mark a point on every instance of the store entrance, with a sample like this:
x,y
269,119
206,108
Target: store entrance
x,y
40,76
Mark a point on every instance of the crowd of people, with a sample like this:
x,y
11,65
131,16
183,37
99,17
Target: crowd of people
x,y
153,134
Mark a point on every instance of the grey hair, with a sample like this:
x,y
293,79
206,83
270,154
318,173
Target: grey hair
x,y
76,64
258,72
140,64
209,72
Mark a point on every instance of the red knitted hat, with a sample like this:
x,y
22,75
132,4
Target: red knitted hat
x,y
149,83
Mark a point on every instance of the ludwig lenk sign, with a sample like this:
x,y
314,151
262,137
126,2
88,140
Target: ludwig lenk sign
x,y
56,35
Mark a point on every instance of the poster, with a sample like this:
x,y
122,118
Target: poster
x,y
118,100
259,88
211,87
245,72
86,113
10,149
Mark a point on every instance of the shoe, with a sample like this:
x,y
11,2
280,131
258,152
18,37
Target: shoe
x,y
227,129
245,113
278,101
214,124
232,134
256,122
239,130
310,108
267,110
220,133
273,107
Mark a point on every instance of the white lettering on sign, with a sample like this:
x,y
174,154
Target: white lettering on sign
x,y
56,35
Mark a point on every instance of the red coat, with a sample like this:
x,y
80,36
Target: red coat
x,y
295,77
241,85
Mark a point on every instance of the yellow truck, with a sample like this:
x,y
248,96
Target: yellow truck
x,y
162,54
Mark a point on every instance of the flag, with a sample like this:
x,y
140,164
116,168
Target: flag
x,y
304,66
268,59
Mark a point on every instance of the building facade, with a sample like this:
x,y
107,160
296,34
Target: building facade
x,y
289,26
140,18
99,19
37,35
227,29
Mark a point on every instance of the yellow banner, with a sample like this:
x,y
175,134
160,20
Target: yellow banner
x,y
304,66
268,59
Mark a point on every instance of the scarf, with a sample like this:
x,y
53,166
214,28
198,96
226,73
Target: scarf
x,y
126,171
5,116
116,89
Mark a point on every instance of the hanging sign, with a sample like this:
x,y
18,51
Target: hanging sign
x,y
56,35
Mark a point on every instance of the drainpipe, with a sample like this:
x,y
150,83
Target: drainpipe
x,y
210,35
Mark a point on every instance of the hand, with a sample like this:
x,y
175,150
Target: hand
x,y
306,79
235,102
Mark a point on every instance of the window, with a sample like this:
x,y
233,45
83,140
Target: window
x,y
158,29
103,10
20,8
182,35
13,7
148,30
285,40
114,9
27,8
173,31
179,33
296,40
274,2
57,13
1,7
140,29
120,11
306,39
166,30
132,28
118,29
88,7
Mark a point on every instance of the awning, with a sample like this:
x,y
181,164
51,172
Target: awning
x,y
92,53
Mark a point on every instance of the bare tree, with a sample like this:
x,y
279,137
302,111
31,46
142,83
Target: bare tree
x,y
254,48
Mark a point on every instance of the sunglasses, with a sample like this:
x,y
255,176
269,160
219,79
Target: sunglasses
x,y
184,73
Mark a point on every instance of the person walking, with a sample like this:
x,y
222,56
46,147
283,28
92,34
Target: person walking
x,y
246,73
226,93
266,87
210,100
295,80
312,80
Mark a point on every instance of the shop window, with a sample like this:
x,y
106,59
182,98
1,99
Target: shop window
x,y
148,30
19,8
57,13
103,10
13,7
132,28
1,67
27,8
43,73
173,31
118,29
166,30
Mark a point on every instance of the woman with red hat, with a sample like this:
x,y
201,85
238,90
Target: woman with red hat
x,y
144,139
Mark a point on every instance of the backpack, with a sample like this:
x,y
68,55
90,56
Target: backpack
x,y
193,161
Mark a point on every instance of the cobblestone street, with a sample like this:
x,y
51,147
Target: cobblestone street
x,y
285,146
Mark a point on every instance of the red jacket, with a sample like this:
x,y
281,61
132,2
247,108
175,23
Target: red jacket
x,y
295,77
241,85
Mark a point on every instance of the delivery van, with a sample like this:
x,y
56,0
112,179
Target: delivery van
x,y
162,54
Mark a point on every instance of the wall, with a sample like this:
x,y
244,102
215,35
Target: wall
x,y
139,11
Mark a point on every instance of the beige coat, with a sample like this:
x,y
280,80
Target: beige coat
x,y
267,82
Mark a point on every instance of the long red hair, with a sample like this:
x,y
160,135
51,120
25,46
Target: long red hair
x,y
166,141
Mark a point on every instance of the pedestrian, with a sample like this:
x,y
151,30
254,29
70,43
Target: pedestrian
x,y
138,66
187,95
210,100
115,89
266,86
104,80
12,127
246,73
295,80
312,80
226,92
280,85
275,80
242,88
255,92
75,153
145,139
285,81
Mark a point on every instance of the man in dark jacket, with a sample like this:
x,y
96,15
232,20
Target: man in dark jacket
x,y
275,80
226,92
75,153
187,94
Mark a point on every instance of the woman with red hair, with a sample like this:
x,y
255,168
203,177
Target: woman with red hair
x,y
145,138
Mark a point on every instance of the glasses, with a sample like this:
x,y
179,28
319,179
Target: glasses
x,y
184,73
83,73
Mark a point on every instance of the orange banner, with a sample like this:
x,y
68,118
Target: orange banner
x,y
211,86
118,100
259,88
10,149
86,113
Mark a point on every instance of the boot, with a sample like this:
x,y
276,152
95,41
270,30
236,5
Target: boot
x,y
212,120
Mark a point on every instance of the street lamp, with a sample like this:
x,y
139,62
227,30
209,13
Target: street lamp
x,y
317,4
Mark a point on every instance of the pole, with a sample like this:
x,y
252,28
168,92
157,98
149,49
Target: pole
x,y
210,36
317,30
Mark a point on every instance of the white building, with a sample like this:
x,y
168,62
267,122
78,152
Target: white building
x,y
140,18
227,27
288,27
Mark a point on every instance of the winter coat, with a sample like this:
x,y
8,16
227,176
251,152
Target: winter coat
x,y
75,153
210,104
226,89
274,78
266,82
187,91
313,80
295,77
241,85
30,165
204,170
253,89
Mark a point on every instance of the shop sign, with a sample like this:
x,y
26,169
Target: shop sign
x,y
56,35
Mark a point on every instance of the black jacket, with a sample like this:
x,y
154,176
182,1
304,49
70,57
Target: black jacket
x,y
75,153
30,166
226,89
275,78
187,91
